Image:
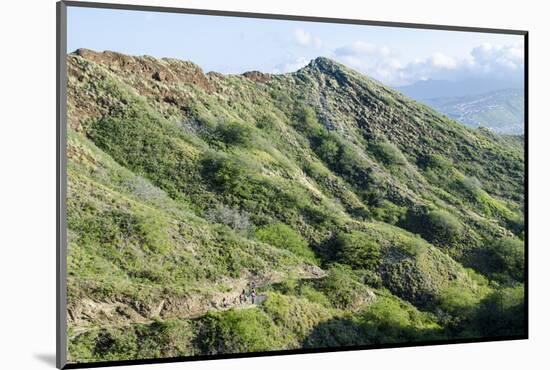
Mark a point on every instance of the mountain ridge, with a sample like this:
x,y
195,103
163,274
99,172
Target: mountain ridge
x,y
181,182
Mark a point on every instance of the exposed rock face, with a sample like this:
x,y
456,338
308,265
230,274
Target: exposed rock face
x,y
257,76
166,70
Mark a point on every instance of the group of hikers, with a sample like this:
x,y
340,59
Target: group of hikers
x,y
243,297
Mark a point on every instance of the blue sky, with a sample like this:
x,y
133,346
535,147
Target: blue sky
x,y
395,56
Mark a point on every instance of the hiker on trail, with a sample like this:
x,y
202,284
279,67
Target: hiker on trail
x,y
253,296
224,302
242,297
252,286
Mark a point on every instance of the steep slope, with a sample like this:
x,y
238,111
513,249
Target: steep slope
x,y
345,201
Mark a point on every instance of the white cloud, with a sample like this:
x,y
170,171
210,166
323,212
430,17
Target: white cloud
x,y
441,60
291,65
487,52
384,64
304,38
357,48
317,42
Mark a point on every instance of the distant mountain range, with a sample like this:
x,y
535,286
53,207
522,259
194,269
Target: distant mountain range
x,y
494,104
501,111
433,89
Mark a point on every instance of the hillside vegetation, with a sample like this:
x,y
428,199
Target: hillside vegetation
x,y
362,216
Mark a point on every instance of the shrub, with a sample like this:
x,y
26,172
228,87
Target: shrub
x,y
388,212
329,149
267,122
470,184
471,188
143,189
146,143
352,166
457,301
282,236
501,313
358,250
231,217
342,289
288,286
442,227
295,316
314,296
388,320
507,256
435,162
234,133
306,120
337,332
159,339
222,171
238,331
387,153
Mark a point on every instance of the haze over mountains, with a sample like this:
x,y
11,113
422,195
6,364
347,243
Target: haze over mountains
x,y
502,111
494,104
361,216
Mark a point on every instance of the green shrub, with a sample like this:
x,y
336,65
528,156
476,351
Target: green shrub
x,y
295,316
282,236
358,250
435,225
470,184
442,227
457,301
352,166
329,149
342,289
434,162
223,171
147,144
387,153
235,133
306,120
288,286
389,212
313,295
238,331
502,313
507,257
337,332
168,338
267,122
388,320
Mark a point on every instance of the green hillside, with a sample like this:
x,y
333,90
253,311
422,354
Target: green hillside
x,y
361,216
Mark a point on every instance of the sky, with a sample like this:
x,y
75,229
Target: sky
x,y
394,56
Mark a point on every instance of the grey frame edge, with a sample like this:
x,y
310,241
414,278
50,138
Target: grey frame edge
x,y
61,185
